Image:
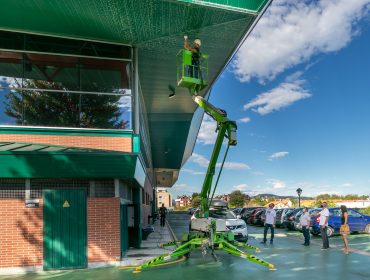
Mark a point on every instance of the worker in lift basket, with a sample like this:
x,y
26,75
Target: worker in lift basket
x,y
194,69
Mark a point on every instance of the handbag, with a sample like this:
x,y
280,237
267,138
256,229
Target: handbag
x,y
344,229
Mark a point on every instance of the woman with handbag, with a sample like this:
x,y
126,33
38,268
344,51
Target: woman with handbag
x,y
344,228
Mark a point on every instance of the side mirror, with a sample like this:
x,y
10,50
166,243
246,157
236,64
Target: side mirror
x,y
238,216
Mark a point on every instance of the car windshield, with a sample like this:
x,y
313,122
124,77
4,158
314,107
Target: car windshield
x,y
221,214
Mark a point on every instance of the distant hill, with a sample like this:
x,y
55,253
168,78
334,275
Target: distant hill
x,y
269,195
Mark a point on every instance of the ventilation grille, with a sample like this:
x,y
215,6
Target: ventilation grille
x,y
12,188
38,185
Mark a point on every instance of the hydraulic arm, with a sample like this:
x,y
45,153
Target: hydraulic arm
x,y
207,233
226,128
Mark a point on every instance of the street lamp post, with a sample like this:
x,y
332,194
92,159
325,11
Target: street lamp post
x,y
299,191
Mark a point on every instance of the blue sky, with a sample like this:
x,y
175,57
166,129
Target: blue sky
x,y
299,88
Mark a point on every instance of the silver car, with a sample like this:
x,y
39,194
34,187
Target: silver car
x,y
233,222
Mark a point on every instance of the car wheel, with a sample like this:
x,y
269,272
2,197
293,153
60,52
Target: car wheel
x,y
314,233
330,231
367,229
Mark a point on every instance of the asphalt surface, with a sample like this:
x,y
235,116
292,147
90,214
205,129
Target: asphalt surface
x,y
292,260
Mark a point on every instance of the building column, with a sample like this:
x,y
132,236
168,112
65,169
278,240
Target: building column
x,y
27,194
116,188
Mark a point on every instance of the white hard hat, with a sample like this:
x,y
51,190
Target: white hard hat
x,y
198,42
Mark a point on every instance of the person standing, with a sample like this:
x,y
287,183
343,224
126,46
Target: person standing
x,y
194,69
269,223
344,228
324,218
162,214
305,220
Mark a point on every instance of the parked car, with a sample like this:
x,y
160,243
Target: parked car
x,y
246,212
279,213
191,211
289,218
283,214
260,217
297,225
237,210
357,222
237,226
252,216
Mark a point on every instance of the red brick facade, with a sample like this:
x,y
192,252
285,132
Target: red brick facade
x,y
103,229
20,234
120,144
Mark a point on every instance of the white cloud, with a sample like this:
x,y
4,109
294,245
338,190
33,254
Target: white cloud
x,y
199,159
292,32
347,185
280,97
258,173
193,172
10,82
278,155
234,165
276,184
204,162
125,103
244,120
207,134
241,187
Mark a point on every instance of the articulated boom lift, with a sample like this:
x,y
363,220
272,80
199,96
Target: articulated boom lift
x,y
206,234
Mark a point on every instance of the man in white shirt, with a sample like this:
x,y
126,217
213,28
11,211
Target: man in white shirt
x,y
305,221
324,218
269,223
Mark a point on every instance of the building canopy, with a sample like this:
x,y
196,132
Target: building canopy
x,y
156,28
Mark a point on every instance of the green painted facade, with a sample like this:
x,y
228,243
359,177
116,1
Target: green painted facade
x,y
65,229
67,165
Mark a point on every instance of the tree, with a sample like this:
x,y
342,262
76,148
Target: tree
x,y
365,211
195,201
330,203
194,195
42,107
237,199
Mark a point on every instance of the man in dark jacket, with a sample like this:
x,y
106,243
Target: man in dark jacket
x,y
162,214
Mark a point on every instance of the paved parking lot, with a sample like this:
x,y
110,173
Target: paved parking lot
x,y
292,260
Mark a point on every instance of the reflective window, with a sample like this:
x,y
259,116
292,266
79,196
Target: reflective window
x,y
58,91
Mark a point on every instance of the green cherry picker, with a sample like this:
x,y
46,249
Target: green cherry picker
x,y
206,234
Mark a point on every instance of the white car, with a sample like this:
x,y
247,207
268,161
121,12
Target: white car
x,y
233,222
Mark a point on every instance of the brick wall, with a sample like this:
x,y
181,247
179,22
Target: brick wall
x,y
20,234
121,144
103,229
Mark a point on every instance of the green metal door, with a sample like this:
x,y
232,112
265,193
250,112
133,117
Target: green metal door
x,y
124,230
65,233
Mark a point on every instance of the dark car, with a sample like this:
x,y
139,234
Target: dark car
x,y
246,212
357,222
237,211
289,218
283,214
279,213
252,216
259,218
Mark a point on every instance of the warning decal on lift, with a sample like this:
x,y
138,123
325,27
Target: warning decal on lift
x,y
66,204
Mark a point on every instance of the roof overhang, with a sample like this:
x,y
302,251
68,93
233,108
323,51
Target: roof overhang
x,y
156,28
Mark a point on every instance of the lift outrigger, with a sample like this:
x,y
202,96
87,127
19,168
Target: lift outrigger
x,y
206,234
